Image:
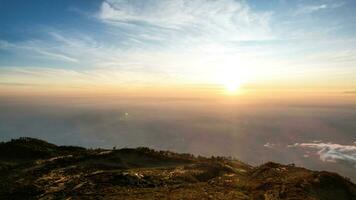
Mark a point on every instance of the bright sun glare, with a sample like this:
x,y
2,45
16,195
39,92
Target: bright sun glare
x,y
232,87
232,77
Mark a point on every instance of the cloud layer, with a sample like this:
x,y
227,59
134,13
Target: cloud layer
x,y
331,152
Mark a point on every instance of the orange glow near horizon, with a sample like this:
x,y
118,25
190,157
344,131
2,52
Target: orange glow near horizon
x,y
233,92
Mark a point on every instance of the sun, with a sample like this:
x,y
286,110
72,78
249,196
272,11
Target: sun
x,y
232,81
232,73
232,87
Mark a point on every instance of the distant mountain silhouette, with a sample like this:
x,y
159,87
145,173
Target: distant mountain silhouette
x,y
35,169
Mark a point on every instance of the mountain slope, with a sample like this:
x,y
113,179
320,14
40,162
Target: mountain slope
x,y
34,169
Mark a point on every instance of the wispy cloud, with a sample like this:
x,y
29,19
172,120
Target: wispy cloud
x,y
331,152
189,18
38,47
54,55
270,145
194,41
308,9
16,76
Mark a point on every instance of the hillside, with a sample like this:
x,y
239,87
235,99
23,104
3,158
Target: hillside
x,y
34,169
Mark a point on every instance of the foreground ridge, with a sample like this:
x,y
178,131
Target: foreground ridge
x,y
35,169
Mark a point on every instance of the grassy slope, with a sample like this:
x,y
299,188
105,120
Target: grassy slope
x,y
35,169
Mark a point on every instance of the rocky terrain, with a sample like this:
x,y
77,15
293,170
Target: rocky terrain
x,y
34,169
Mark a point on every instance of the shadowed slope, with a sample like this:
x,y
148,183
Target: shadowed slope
x,y
35,169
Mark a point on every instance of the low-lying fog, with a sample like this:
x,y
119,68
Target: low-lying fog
x,y
321,137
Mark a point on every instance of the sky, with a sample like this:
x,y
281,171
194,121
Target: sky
x,y
280,76
119,44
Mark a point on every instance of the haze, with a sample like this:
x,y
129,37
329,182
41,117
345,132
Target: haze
x,y
256,80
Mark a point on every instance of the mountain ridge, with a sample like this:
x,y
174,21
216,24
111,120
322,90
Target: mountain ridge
x,y
35,169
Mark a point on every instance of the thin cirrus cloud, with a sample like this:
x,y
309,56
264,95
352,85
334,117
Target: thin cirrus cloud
x,y
187,34
190,18
187,41
39,48
186,38
331,152
308,9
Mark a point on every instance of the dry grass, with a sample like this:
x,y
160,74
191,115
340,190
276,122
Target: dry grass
x,y
77,173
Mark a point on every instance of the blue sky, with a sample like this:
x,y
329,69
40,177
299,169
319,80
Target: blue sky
x,y
119,42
